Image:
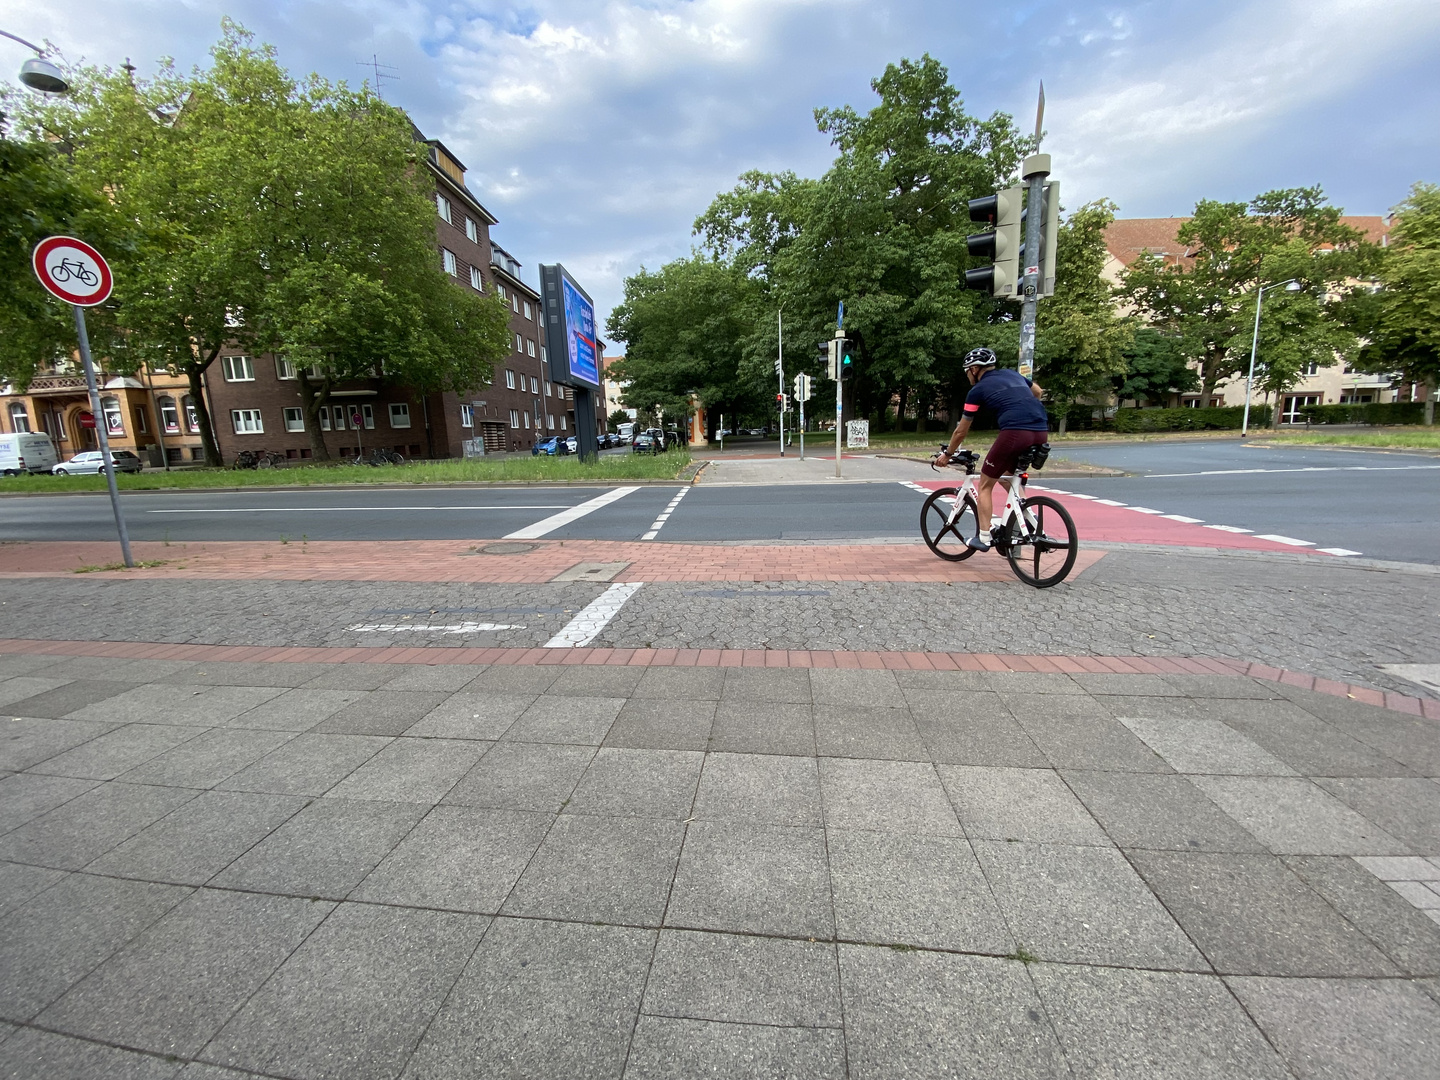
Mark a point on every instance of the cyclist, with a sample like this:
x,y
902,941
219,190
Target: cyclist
x,y
1023,423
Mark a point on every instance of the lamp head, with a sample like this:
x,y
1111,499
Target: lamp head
x,y
44,76
1293,286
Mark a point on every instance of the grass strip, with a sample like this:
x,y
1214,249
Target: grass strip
x,y
1394,438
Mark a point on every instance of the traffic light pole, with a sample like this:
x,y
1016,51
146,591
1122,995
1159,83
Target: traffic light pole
x,y
780,372
1037,168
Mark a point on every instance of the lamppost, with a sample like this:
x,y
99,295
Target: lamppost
x,y
37,72
1290,286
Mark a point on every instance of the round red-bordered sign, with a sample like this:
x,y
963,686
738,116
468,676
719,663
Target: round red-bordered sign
x,y
72,270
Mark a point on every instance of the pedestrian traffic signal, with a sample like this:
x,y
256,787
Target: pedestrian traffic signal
x,y
1002,243
802,387
847,360
830,356
1051,235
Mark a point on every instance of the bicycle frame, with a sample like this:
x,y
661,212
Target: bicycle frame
x,y
1015,495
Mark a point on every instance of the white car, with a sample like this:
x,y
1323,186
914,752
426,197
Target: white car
x,y
91,462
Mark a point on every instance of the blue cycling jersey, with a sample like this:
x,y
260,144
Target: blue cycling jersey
x,y
1007,394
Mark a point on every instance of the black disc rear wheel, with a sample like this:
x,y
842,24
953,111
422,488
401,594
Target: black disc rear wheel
x,y
1047,555
944,530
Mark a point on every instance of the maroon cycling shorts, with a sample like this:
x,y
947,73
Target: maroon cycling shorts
x,y
1006,450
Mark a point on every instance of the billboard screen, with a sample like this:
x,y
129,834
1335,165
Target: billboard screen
x,y
569,329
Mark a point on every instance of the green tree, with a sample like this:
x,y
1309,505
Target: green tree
x,y
1155,368
616,418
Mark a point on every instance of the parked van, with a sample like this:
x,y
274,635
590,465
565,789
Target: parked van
x,y
627,431
26,451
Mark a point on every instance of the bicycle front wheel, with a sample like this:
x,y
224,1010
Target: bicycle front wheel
x,y
944,536
1045,555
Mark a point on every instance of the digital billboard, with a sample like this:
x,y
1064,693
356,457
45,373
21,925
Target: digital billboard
x,y
569,329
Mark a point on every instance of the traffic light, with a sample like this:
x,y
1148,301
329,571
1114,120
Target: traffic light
x,y
1002,243
782,403
830,356
1052,233
802,387
847,360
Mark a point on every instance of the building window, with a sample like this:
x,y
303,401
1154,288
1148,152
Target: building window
x,y
324,418
246,421
237,368
528,314
544,356
550,421
294,420
471,232
525,419
19,418
447,259
284,369
562,421
142,423
476,281
509,379
500,290
364,414
519,344
341,417
169,415
1312,368
192,418
534,385
399,414
114,418
530,346
515,303
467,416
442,207
547,390
514,418
1294,404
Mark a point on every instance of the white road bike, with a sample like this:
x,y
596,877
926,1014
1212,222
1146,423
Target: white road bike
x,y
1035,532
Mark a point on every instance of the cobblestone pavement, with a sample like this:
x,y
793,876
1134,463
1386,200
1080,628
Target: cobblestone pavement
x,y
214,870
1333,619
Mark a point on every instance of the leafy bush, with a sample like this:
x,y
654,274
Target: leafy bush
x,y
1229,418
1395,412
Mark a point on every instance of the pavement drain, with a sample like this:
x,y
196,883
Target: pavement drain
x,y
505,547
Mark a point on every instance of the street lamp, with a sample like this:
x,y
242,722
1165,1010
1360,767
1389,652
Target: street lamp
x,y
1290,286
37,72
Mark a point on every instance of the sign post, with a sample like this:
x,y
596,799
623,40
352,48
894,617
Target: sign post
x,y
839,386
76,273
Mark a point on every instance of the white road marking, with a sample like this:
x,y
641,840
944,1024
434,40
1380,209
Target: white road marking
x,y
1109,502
453,628
1183,519
1342,552
565,517
1285,540
1144,510
659,522
594,617
1228,528
1307,468
1087,498
332,509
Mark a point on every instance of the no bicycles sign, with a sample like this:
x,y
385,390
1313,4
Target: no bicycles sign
x,y
72,270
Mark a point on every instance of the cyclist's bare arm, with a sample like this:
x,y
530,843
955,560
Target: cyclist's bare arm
x,y
1037,390
961,430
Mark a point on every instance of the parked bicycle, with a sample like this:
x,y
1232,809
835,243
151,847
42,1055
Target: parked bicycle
x,y
1036,534
259,459
379,456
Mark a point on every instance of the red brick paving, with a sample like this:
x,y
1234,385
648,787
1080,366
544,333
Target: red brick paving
x,y
776,658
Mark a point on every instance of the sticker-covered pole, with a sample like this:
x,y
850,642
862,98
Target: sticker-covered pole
x,y
102,431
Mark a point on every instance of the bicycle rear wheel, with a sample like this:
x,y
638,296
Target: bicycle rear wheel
x,y
946,538
1046,555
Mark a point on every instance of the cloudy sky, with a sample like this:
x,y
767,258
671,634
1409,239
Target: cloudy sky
x,y
597,131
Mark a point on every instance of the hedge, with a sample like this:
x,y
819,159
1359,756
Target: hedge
x,y
1223,419
1394,412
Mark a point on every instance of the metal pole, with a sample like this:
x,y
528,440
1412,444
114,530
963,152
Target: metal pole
x,y
101,431
1034,223
802,428
1250,378
780,371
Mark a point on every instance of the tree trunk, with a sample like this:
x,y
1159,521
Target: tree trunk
x,y
921,408
195,376
1063,424
1429,405
312,401
1276,411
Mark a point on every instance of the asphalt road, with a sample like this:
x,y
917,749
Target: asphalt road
x,y
1384,505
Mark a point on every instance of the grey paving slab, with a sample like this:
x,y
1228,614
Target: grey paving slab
x,y
1019,804
251,673
595,681
995,739
1407,809
897,796
296,710
117,752
1311,746
851,687
16,664
19,882
1205,745
1028,682
362,676
43,1055
540,999
208,758
58,936
1089,742
144,671
27,686
1295,817
763,879
600,869
741,979
25,796
1401,867
170,990
680,684
943,1015
582,721
867,731
63,700
664,1047
945,700
85,828
1164,811
743,727
944,682
355,998
308,764
381,712
1148,685
1405,935
201,838
925,891
1409,740
1024,702
764,685
642,783
472,716
1251,916
1083,905
1222,686
515,679
325,850
459,858
663,724
523,776
760,789
1153,1025
446,678
1347,1029
411,770
27,741
199,1071
183,703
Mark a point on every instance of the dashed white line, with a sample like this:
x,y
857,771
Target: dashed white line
x,y
594,617
565,517
1228,528
453,628
659,522
1342,552
1183,519
1109,502
1145,510
1284,540
345,509
1307,468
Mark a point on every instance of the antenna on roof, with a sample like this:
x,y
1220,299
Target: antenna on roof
x,y
374,65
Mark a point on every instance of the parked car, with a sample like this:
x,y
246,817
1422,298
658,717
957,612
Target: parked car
x,y
571,445
26,451
91,462
644,444
552,446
